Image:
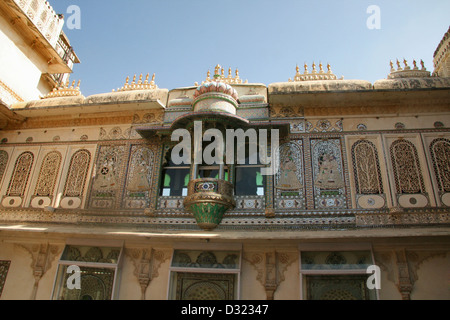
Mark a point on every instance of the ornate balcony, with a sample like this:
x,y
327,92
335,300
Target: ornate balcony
x,y
208,199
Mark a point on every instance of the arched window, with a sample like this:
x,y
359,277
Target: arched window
x,y
366,168
406,167
20,175
77,174
48,174
440,155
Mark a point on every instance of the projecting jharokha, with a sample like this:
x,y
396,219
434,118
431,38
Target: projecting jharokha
x,y
224,188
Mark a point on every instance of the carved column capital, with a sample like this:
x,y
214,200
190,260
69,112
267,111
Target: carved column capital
x,y
146,263
42,257
271,266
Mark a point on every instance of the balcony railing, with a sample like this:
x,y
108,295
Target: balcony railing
x,y
46,20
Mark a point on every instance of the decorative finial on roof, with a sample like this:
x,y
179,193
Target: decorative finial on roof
x,y
141,85
217,71
407,71
219,76
63,90
423,65
406,64
314,75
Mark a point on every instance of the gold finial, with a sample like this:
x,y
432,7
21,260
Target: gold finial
x,y
415,64
217,70
219,75
422,64
146,85
307,76
63,90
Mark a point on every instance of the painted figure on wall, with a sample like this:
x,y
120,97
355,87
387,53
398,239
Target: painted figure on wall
x,y
141,170
288,176
106,175
329,176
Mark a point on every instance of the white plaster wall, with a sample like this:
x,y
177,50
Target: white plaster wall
x,y
289,289
251,288
433,279
21,67
19,281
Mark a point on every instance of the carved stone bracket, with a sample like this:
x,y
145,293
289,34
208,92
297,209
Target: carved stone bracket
x,y
271,266
42,256
146,263
405,264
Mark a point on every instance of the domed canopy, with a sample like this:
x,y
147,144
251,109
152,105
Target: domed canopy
x,y
220,87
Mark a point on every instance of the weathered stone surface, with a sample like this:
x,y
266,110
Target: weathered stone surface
x,y
412,83
319,86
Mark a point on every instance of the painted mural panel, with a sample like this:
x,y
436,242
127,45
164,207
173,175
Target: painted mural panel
x,y
289,181
328,177
138,184
107,179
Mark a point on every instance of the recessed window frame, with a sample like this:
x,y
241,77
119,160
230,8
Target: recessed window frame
x,y
330,247
57,283
206,247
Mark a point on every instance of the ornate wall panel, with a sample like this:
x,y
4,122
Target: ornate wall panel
x,y
140,172
108,173
366,168
367,173
48,174
3,162
20,175
76,179
440,156
409,183
406,167
290,181
328,174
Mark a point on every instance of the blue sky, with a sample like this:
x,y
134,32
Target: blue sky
x,y
180,40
